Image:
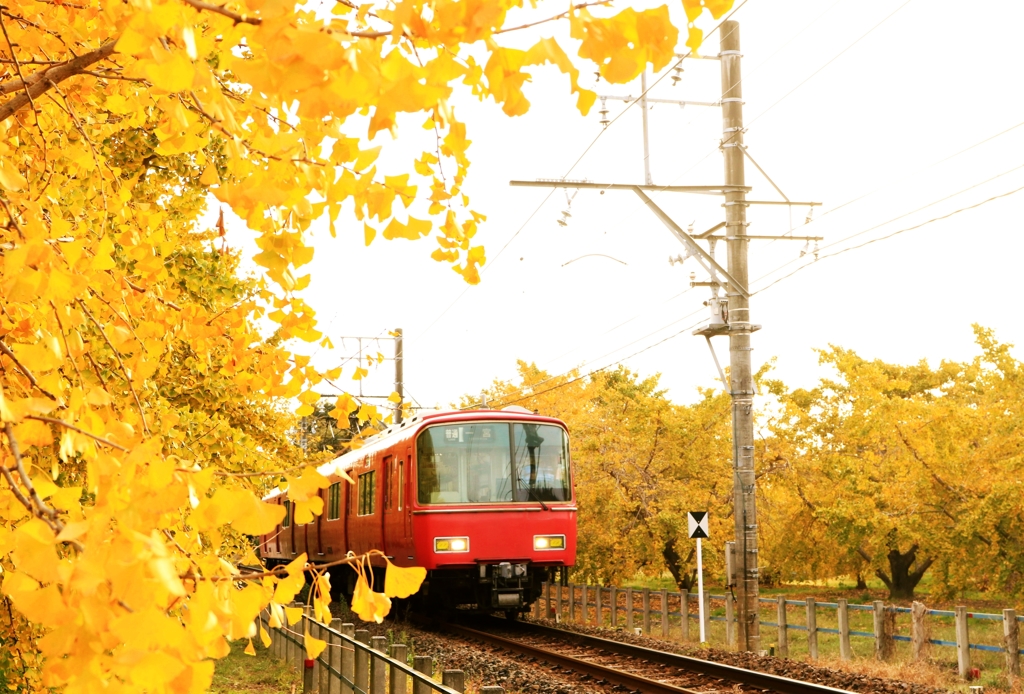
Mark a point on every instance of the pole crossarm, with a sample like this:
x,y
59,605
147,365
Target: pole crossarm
x,y
629,98
700,190
689,241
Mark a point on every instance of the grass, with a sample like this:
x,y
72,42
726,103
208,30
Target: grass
x,y
260,674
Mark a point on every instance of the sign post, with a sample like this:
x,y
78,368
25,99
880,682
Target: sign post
x,y
697,522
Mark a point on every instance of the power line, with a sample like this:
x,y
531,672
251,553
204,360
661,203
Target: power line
x,y
834,58
571,168
895,233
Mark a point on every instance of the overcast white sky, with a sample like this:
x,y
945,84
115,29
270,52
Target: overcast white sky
x,y
929,79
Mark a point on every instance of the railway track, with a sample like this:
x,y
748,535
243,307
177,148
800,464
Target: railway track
x,y
624,666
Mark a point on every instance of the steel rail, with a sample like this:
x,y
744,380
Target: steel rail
x,y
752,678
630,681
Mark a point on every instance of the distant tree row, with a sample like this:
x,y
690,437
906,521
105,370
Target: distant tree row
x,y
880,470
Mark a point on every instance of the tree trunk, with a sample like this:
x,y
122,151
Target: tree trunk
x,y
903,576
684,577
861,583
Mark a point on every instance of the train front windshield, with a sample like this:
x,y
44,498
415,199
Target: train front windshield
x,y
492,463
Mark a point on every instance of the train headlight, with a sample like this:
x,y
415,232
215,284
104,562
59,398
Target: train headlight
x,y
547,542
451,544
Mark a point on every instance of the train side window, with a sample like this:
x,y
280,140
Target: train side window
x,y
334,501
389,478
401,484
287,514
367,492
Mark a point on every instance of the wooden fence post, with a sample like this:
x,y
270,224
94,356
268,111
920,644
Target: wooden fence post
x,y
323,675
456,679
812,629
547,600
598,608
537,603
362,674
584,598
614,606
730,628
424,664
398,679
963,651
918,639
558,602
378,669
348,658
885,620
783,631
334,658
572,603
629,610
647,611
1011,642
684,615
664,613
843,611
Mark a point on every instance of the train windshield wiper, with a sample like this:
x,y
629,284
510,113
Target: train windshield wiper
x,y
530,491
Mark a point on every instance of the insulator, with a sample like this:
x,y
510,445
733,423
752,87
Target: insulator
x,y
677,75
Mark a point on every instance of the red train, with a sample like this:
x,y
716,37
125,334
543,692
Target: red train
x,y
483,499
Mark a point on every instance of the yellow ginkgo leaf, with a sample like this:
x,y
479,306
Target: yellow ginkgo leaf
x,y
250,650
264,637
368,605
294,614
314,646
401,582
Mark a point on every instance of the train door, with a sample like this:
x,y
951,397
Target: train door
x,y
408,488
277,534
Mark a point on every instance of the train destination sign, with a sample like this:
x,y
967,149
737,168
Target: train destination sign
x,y
698,524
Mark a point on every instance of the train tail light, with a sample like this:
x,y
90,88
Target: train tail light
x,y
451,544
548,542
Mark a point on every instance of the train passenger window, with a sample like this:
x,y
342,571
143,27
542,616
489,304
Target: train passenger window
x,y
389,479
367,492
334,501
287,514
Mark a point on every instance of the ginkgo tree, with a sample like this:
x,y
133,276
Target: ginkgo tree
x,y
147,390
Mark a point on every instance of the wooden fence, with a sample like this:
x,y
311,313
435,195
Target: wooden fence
x,y
617,607
356,663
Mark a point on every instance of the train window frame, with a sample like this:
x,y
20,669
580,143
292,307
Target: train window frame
x,y
367,484
286,522
513,488
334,502
401,484
389,479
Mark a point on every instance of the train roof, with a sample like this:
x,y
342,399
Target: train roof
x,y
412,425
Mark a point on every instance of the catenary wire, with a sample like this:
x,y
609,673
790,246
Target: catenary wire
x,y
891,234
833,59
571,168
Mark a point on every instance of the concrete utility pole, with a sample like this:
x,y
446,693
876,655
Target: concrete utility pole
x,y
729,316
399,376
741,382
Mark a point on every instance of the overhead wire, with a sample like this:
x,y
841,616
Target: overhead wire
x,y
569,171
891,235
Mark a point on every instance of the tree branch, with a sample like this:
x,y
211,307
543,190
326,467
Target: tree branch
x,y
239,18
42,81
24,370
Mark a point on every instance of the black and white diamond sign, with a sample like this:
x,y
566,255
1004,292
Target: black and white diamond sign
x,y
698,524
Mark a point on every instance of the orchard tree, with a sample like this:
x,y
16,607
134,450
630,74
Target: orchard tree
x,y
144,404
903,468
